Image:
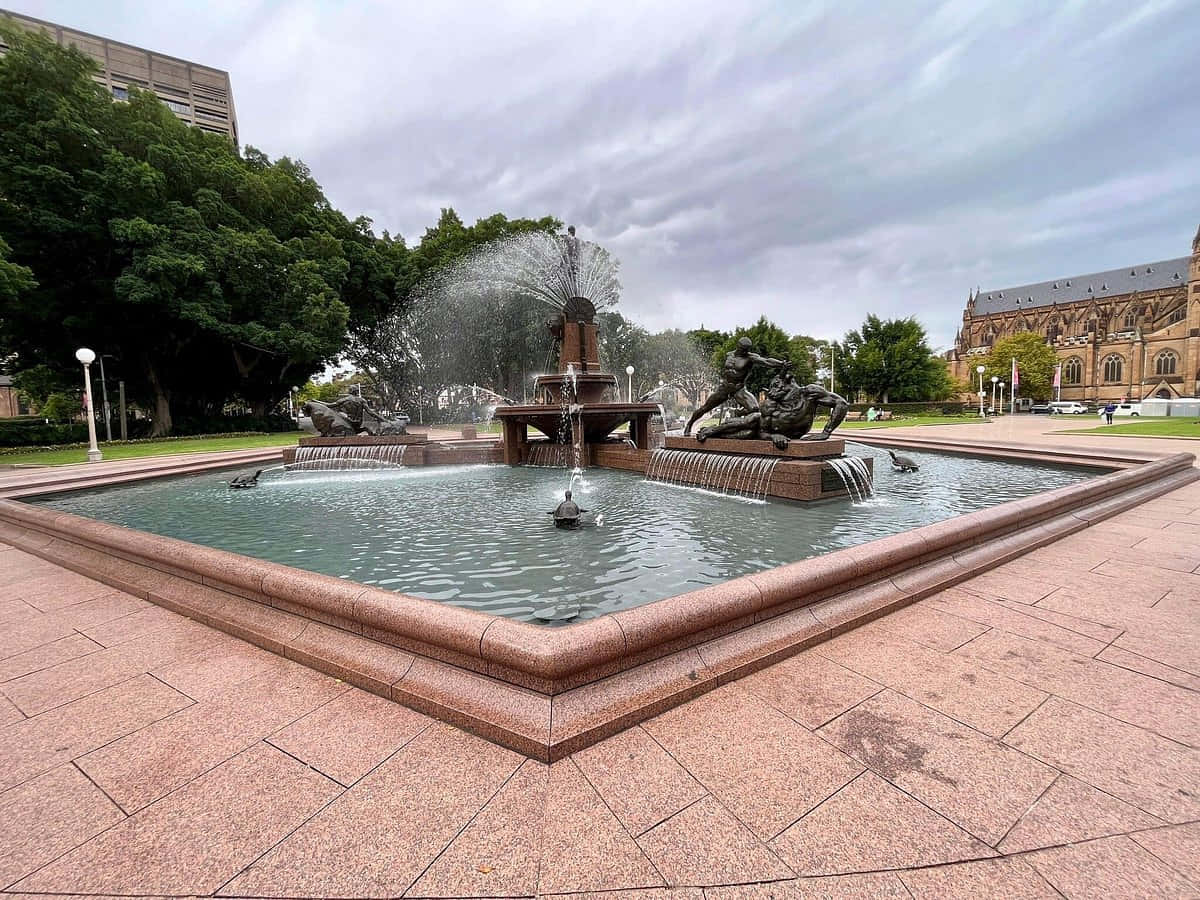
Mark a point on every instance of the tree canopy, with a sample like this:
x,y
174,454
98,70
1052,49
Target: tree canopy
x,y
890,361
207,274
1035,360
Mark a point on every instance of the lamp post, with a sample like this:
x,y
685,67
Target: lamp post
x,y
629,372
995,379
87,357
292,408
979,369
1001,398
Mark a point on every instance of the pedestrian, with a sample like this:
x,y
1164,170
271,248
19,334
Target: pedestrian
x,y
1109,409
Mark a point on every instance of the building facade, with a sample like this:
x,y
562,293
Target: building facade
x,y
199,95
1132,332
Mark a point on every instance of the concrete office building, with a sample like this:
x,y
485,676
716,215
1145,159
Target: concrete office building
x,y
199,95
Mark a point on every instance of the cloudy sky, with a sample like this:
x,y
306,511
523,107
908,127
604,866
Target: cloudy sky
x,y
810,161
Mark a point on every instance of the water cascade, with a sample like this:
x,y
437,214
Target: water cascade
x,y
352,456
855,476
548,454
747,476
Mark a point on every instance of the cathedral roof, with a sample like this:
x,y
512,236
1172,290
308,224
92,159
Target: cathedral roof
x,y
1153,276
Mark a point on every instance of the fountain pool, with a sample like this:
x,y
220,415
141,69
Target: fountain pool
x,y
479,536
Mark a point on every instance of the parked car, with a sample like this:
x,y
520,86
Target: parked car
x,y
1065,407
1124,409
1040,409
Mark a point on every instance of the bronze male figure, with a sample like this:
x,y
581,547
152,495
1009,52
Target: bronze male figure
x,y
738,364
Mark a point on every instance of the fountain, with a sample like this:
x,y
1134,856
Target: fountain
x,y
579,406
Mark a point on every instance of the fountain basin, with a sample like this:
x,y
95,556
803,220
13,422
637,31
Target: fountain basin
x,y
549,692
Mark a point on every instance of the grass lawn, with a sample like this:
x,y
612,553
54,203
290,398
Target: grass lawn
x,y
1164,427
911,420
153,448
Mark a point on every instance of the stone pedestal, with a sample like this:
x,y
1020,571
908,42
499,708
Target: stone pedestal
x,y
795,449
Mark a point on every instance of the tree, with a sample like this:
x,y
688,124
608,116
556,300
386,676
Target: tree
x,y
808,355
209,275
673,357
890,361
1035,361
60,408
769,340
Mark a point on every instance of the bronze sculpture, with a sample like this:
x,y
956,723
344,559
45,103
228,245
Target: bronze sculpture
x,y
349,415
787,412
738,364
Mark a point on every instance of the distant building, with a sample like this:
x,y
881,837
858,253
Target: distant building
x,y
1130,332
10,402
199,95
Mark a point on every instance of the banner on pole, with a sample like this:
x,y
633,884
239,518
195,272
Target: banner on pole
x,y
1058,376
1016,376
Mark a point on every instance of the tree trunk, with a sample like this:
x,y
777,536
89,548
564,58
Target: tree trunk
x,y
162,403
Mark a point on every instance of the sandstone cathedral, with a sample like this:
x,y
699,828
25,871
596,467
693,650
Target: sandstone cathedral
x,y
1132,332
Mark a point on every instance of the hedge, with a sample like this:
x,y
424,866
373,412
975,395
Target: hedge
x,y
15,450
34,432
919,408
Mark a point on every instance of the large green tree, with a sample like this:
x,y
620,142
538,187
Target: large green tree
x,y
1035,361
769,340
890,361
207,274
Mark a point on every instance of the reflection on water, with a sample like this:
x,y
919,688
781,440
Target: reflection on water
x,y
479,536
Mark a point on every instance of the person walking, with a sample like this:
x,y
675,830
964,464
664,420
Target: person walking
x,y
1109,409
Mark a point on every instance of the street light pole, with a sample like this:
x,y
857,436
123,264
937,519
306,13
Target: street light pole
x,y
629,372
979,369
995,378
87,357
1001,407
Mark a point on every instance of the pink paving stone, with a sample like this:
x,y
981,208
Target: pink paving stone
x,y
869,825
1114,868
16,611
977,783
60,589
1178,847
927,624
1077,635
693,893
1072,811
1151,576
584,847
497,854
1157,775
810,688
1047,578
75,678
350,735
36,745
880,886
764,767
638,780
220,667
965,691
8,712
139,624
1135,663
381,834
1129,696
199,837
105,608
47,655
1152,553
47,816
148,764
20,637
705,845
1009,585
1003,879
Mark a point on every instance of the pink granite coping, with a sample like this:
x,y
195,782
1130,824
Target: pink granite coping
x,y
545,691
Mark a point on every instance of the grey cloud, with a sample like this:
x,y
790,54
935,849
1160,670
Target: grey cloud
x,y
811,162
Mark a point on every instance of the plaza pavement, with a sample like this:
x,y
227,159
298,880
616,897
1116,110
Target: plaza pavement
x,y
1033,732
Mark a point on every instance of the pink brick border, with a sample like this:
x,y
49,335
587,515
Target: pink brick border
x,y
550,691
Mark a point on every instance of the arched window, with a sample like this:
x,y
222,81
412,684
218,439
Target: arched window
x,y
1073,371
1177,316
1112,368
1130,319
1165,363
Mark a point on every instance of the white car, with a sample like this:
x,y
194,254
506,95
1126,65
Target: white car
x,y
1064,407
1124,409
